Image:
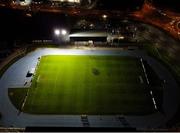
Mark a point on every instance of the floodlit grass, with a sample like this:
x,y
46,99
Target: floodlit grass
x,y
88,85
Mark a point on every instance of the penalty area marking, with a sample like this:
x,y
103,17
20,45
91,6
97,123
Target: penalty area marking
x,y
144,71
23,104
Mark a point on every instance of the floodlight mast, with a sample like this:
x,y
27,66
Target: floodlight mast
x,y
63,32
61,35
57,32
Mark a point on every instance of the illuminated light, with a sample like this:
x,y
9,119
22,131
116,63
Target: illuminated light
x,y
104,16
91,26
121,37
57,32
25,3
70,1
28,15
63,32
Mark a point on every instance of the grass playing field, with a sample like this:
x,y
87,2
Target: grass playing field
x,y
86,85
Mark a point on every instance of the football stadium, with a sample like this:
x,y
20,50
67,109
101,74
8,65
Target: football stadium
x,y
78,65
86,85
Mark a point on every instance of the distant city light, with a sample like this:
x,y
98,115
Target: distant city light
x,y
121,37
57,32
104,16
24,3
28,14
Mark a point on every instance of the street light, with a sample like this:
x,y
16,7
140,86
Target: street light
x,y
104,16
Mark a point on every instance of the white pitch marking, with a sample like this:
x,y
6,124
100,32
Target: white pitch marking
x,y
144,71
154,102
141,79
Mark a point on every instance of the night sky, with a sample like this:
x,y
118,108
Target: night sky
x,y
171,4
41,25
132,4
14,25
119,4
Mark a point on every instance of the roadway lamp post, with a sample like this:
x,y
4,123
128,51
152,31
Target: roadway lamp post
x,y
105,21
104,16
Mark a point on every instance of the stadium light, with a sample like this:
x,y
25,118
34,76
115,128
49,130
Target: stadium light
x,y
57,32
63,32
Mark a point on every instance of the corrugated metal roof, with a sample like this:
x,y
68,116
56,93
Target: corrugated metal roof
x,y
89,34
71,1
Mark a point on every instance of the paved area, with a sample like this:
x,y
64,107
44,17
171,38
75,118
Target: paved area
x,y
15,76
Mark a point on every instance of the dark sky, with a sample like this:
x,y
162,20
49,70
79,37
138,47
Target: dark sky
x,y
15,25
171,4
119,4
132,4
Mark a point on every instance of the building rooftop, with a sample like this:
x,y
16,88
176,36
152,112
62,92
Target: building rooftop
x,y
89,34
71,1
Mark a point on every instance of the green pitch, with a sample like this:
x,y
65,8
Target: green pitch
x,y
87,85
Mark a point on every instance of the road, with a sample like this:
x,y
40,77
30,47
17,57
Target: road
x,y
166,20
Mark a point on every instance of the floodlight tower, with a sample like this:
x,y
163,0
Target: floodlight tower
x,y
61,35
57,32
